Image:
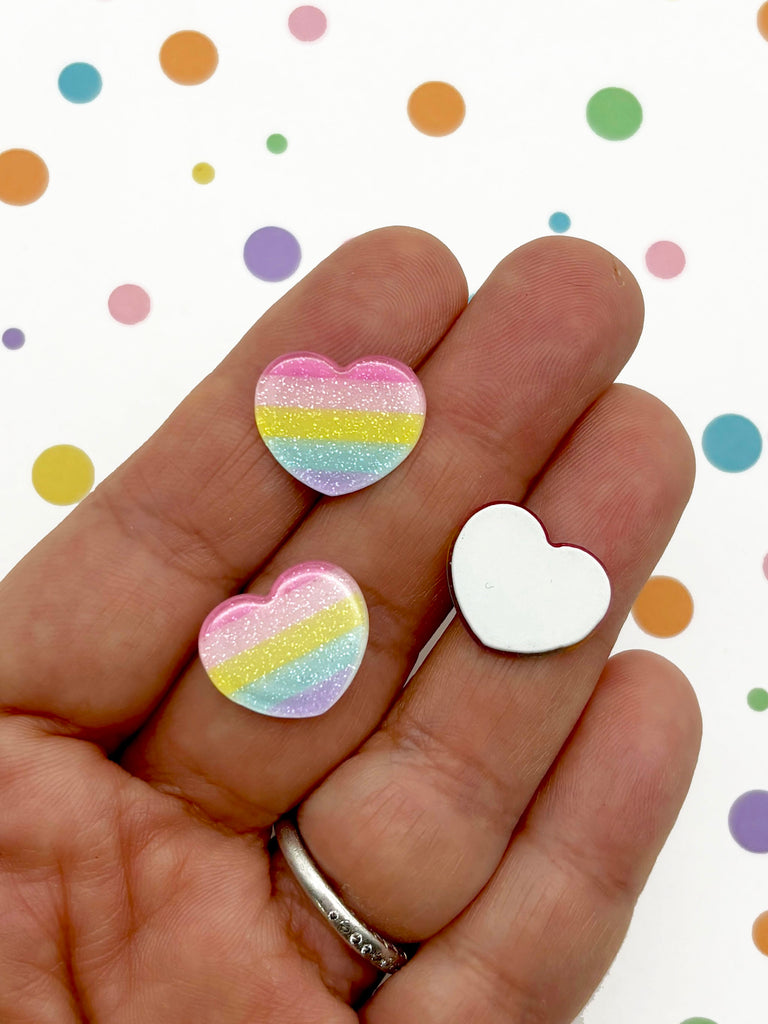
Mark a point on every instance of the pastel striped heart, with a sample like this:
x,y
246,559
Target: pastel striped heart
x,y
293,653
335,429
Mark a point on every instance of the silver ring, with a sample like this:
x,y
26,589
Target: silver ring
x,y
385,955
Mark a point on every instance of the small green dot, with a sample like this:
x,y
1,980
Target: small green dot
x,y
277,143
698,1020
614,114
203,173
758,699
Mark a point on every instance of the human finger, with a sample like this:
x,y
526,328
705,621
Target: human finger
x,y
536,942
98,618
538,343
430,801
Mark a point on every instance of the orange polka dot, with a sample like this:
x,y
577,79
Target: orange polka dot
x,y
23,177
664,607
760,932
436,108
762,21
188,58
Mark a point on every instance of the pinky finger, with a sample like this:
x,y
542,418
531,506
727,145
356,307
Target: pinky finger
x,y
536,942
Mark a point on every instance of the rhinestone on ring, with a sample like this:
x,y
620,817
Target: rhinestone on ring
x,y
384,955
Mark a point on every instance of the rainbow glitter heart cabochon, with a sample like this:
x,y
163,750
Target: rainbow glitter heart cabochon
x,y
293,653
339,429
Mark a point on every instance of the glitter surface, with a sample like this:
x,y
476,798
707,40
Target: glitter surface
x,y
293,653
339,430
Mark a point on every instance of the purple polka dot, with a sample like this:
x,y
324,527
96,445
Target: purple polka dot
x,y
748,821
272,254
13,338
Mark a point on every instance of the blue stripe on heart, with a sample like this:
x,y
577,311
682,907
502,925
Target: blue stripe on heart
x,y
334,657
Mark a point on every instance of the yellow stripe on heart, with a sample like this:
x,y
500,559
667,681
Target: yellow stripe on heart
x,y
339,424
288,645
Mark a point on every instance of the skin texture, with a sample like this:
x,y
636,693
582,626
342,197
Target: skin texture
x,y
503,811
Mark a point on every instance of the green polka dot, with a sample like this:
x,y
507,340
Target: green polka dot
x,y
277,143
698,1020
758,699
614,114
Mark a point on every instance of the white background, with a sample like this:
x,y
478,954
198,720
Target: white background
x,y
122,207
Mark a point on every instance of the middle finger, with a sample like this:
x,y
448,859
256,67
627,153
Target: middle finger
x,y
540,341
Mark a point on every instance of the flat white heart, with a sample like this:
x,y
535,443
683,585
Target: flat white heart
x,y
516,591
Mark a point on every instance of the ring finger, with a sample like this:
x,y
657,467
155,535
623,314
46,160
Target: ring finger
x,y
536,942
428,804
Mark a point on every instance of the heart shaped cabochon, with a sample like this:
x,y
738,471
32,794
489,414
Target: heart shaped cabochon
x,y
293,653
338,430
518,592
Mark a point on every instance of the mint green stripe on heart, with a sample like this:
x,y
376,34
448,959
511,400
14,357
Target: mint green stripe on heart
x,y
336,456
296,676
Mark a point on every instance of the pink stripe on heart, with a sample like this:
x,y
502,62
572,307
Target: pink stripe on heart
x,y
287,608
378,369
327,393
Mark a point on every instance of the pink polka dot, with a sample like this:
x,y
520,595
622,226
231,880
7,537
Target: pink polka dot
x,y
665,259
129,304
307,23
765,567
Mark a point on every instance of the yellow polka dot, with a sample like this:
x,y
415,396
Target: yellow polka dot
x,y
436,108
188,58
203,173
23,177
63,474
760,932
762,21
664,607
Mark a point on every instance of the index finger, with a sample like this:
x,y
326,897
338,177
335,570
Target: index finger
x,y
101,615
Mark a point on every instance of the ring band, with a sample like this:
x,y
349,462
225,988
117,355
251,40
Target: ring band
x,y
385,955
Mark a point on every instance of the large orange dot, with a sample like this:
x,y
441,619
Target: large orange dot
x,y
664,607
188,58
762,21
436,108
23,176
760,932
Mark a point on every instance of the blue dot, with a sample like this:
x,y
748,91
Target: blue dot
x,y
13,338
559,222
732,443
79,83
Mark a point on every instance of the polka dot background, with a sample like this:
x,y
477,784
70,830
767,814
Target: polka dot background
x,y
62,474
188,57
162,184
664,607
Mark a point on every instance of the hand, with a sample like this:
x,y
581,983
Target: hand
x,y
503,811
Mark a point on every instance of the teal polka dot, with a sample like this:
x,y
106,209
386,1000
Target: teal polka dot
x,y
559,222
79,83
732,443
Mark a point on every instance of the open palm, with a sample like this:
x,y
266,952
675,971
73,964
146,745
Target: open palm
x,y
503,812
